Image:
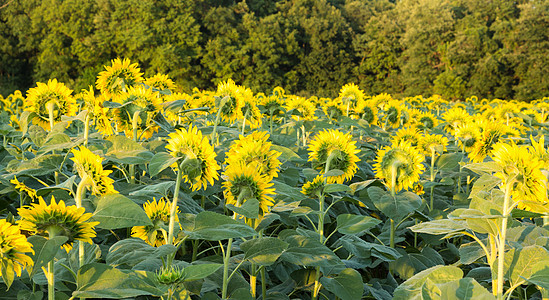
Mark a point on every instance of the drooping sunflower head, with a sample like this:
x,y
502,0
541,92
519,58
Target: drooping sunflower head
x,y
273,105
392,113
408,134
467,134
54,96
250,111
158,212
399,164
198,157
23,188
102,117
490,135
255,149
455,117
304,109
381,100
88,164
333,108
57,219
141,103
161,82
117,77
351,94
427,120
521,169
336,149
243,182
230,101
313,188
433,143
539,152
13,246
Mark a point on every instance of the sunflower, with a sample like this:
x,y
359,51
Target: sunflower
x,y
13,246
333,109
89,164
367,110
250,111
350,95
408,134
57,219
159,214
160,82
313,188
255,149
230,100
523,169
467,134
487,139
273,105
336,149
23,188
304,109
433,142
102,117
539,152
243,182
455,117
119,76
199,164
402,161
176,116
381,100
391,115
426,120
137,102
54,95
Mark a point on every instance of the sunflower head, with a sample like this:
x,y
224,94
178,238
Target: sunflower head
x,y
230,101
399,164
433,143
159,213
487,139
454,118
408,134
467,134
54,96
160,82
198,157
426,120
539,152
255,149
336,149
57,219
313,188
351,94
366,110
90,165
13,246
304,109
141,103
392,113
250,111
521,169
333,108
117,77
243,182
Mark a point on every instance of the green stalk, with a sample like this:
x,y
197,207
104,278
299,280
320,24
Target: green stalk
x,y
253,280
217,117
50,106
263,284
393,194
431,206
502,237
227,255
50,276
271,125
173,208
134,128
86,129
80,191
244,123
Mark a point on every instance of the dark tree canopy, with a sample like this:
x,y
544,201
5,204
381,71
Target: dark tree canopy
x,y
455,48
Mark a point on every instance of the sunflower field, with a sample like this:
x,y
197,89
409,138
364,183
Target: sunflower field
x,y
133,189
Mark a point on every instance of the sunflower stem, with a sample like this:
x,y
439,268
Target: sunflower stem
x,y
253,280
50,106
227,255
86,129
502,237
173,208
50,276
80,192
217,117
134,131
244,122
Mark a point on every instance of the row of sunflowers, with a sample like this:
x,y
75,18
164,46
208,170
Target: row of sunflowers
x,y
134,189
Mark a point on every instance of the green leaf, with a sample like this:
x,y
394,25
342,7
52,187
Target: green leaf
x,y
336,187
250,208
66,185
174,106
286,154
115,211
101,281
306,251
212,226
363,249
159,189
464,289
471,252
263,251
412,288
540,278
412,263
521,264
44,250
126,151
333,173
199,271
395,208
484,185
25,120
438,227
357,186
347,285
38,166
132,251
161,161
480,222
484,167
449,161
355,224
241,294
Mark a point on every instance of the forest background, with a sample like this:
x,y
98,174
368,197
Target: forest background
x,y
455,48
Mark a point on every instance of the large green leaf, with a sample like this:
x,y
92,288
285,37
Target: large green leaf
x,y
347,285
355,224
363,249
483,168
44,250
132,251
464,289
335,187
263,251
412,288
56,141
484,185
449,161
126,151
249,209
199,271
520,264
212,226
102,281
159,189
412,263
161,161
38,166
395,208
437,227
540,278
471,252
115,211
306,251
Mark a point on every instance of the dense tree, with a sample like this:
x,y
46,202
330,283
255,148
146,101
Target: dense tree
x,y
455,48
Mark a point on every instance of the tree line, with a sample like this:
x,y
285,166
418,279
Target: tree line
x,y
454,48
